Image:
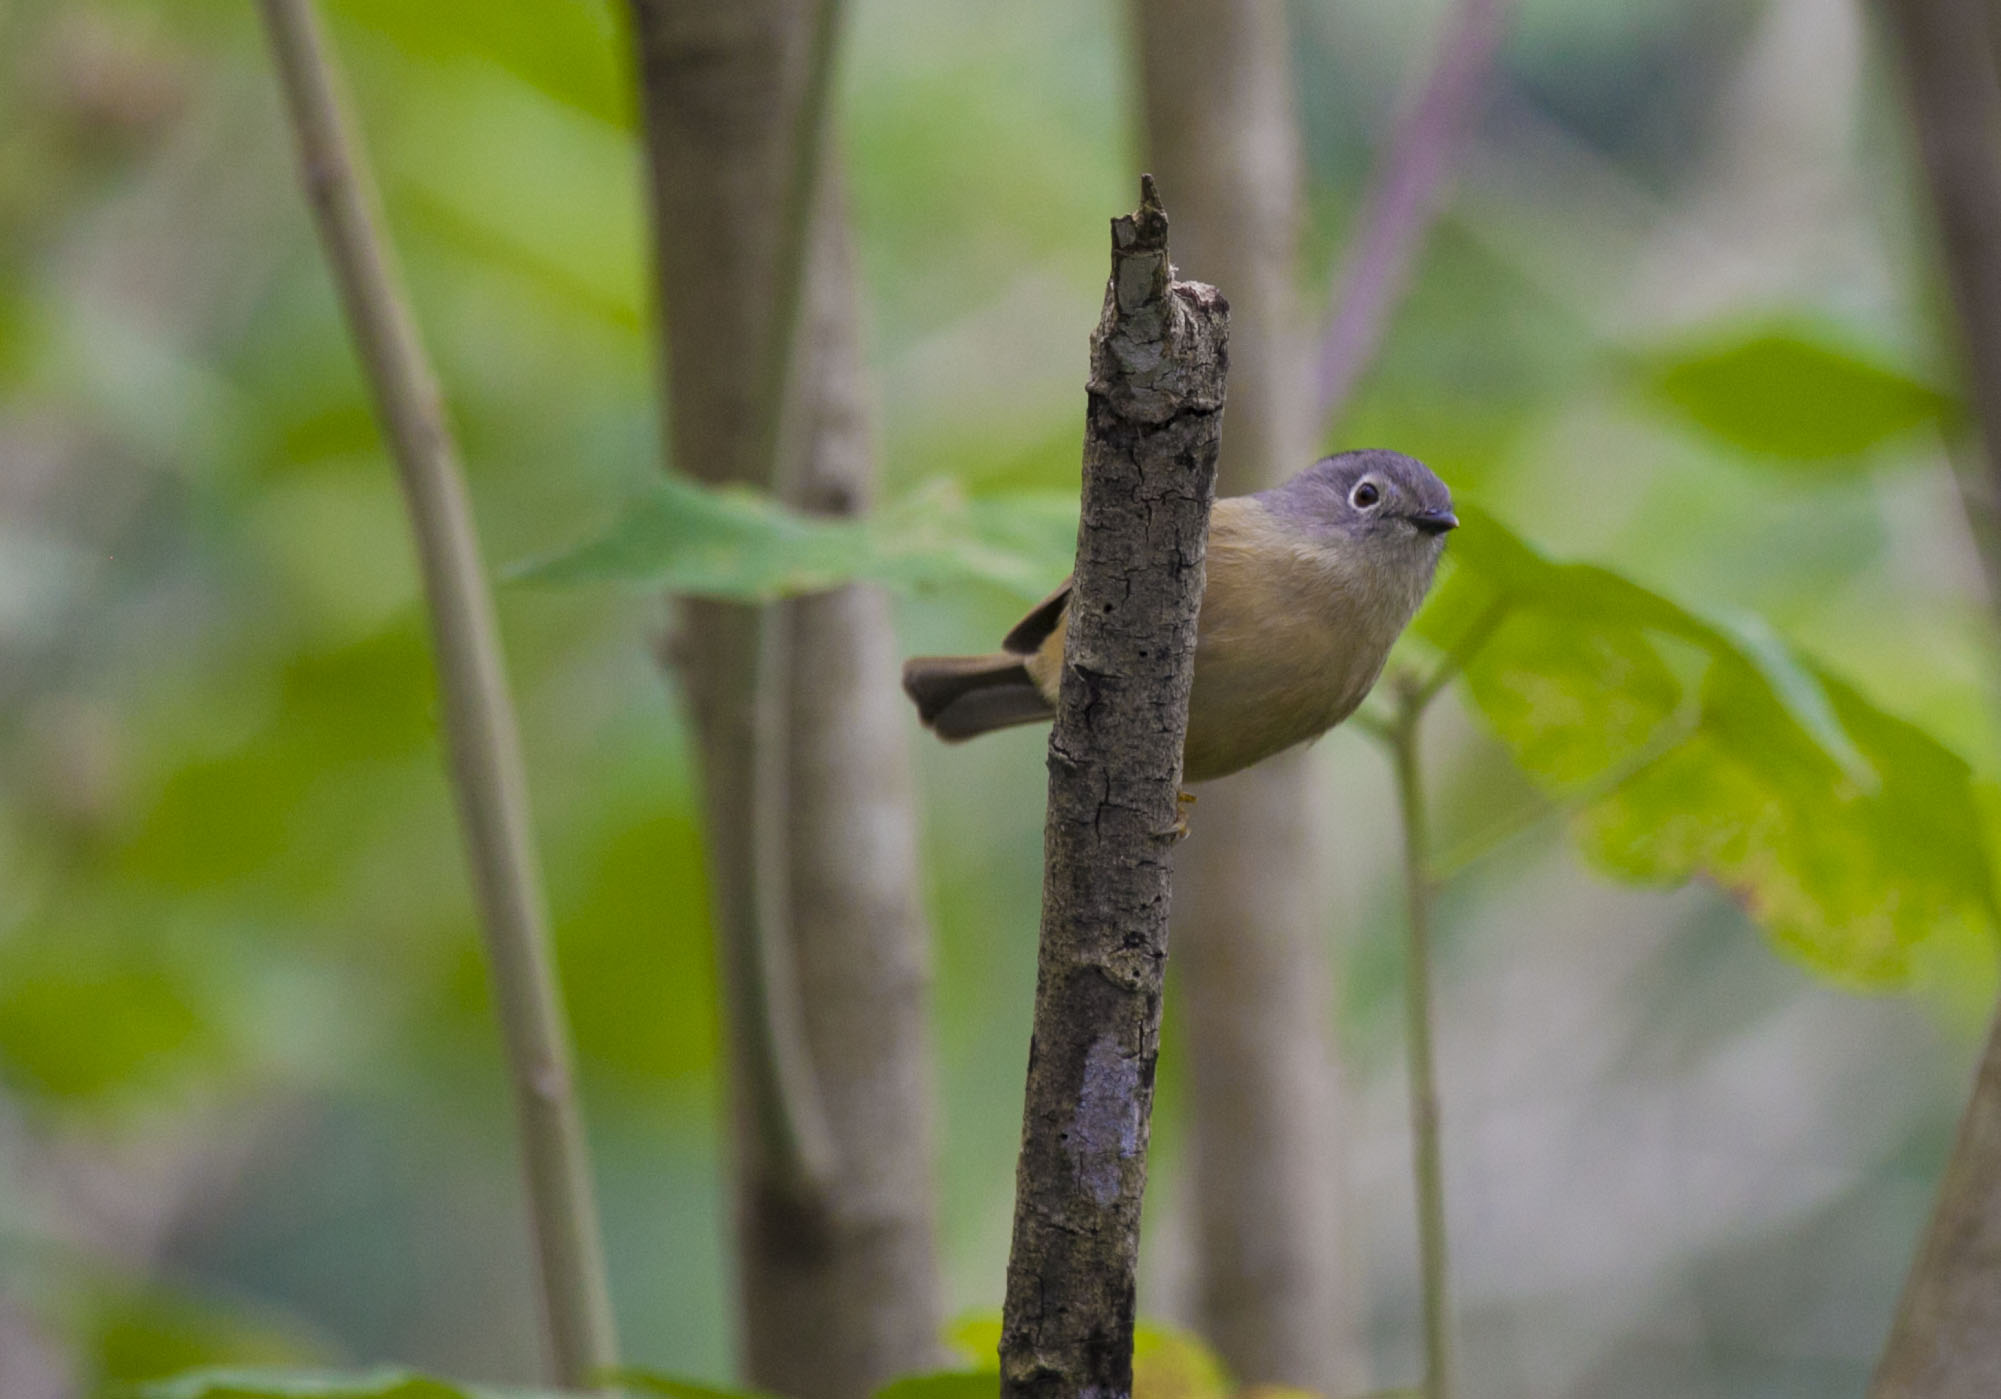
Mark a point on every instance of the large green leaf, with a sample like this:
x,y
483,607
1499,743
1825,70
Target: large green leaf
x,y
1793,394
383,1383
1691,746
742,545
944,1384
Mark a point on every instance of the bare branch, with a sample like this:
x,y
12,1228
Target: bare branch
x,y
483,740
1156,394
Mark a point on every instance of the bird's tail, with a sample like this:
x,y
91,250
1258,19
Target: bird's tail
x,y
961,697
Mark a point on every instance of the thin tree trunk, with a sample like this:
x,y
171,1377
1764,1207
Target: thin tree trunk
x,y
855,1292
1946,1340
1151,435
1275,1288
795,709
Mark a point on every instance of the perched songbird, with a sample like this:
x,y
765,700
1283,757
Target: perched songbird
x,y
1309,584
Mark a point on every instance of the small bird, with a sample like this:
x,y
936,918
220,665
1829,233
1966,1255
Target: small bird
x,y
1309,585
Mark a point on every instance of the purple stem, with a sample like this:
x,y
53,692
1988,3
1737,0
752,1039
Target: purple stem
x,y
1406,197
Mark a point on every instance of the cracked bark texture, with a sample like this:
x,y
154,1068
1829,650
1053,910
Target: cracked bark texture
x,y
1273,1287
1945,1342
837,1282
1152,430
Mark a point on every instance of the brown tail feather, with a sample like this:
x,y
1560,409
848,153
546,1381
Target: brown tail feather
x,y
961,697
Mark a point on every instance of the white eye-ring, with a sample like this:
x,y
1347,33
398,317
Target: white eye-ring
x,y
1364,495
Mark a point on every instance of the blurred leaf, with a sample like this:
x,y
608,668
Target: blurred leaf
x,y
386,1383
568,51
1792,395
87,1009
976,1336
944,1384
1692,747
1173,1364
126,1332
652,1382
742,545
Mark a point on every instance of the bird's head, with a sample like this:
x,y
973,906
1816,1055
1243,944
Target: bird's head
x,y
1384,501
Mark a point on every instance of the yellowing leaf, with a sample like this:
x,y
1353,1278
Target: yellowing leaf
x,y
1694,748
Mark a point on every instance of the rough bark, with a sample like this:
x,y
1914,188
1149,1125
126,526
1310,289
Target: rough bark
x,y
1274,1284
1946,1340
1151,436
805,802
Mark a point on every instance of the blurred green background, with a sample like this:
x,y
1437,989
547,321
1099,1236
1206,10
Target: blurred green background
x,y
1677,318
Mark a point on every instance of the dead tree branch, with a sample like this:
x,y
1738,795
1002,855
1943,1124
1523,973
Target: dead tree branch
x,y
1151,437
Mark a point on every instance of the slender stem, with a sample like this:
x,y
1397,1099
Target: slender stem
x,y
1428,1169
1462,653
484,747
800,200
797,1134
1404,200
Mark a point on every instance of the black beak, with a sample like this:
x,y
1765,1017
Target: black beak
x,y
1435,521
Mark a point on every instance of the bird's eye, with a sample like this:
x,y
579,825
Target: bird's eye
x,y
1364,495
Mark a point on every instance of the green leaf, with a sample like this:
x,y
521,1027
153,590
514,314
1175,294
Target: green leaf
x,y
1172,1364
1791,394
1690,746
944,1384
384,1383
743,545
976,1336
653,1382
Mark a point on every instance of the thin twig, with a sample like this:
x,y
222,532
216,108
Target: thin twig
x,y
1427,1165
484,746
1463,651
1399,210
798,1135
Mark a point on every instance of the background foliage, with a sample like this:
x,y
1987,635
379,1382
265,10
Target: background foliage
x,y
1675,323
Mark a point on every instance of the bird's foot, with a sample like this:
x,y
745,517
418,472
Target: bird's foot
x,y
1179,830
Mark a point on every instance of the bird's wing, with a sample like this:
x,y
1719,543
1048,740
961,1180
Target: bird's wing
x,y
1034,629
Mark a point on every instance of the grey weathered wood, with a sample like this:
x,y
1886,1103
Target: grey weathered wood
x,y
1158,360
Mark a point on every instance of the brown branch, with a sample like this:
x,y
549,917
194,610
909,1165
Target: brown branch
x,y
1151,436
484,745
